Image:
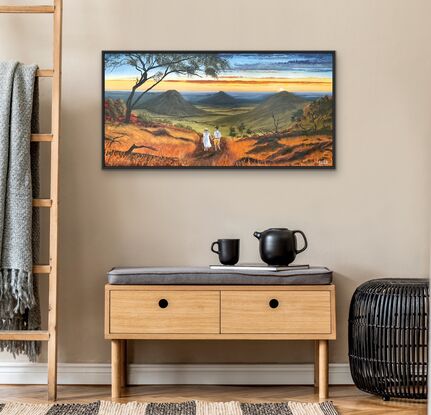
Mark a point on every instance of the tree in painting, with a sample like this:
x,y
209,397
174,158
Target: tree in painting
x,y
231,109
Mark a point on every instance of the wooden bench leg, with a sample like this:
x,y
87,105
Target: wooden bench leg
x,y
316,363
123,346
116,368
323,369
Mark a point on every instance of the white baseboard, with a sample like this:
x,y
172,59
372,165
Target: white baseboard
x,y
171,374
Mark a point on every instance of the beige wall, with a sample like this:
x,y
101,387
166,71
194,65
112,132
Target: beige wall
x,y
368,218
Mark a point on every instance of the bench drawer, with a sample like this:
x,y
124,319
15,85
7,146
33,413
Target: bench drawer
x,y
164,312
271,312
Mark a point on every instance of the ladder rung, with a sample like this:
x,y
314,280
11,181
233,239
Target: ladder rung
x,y
24,335
45,73
41,269
41,137
44,203
27,9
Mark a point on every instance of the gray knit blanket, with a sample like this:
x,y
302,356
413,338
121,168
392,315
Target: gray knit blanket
x,y
19,230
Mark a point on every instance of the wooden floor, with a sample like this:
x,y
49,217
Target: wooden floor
x,y
347,399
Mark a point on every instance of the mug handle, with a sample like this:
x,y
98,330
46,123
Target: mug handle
x,y
305,242
212,247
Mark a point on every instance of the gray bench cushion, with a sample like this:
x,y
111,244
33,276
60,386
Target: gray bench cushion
x,y
207,276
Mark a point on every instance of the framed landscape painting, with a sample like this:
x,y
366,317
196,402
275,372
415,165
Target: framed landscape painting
x,y
218,109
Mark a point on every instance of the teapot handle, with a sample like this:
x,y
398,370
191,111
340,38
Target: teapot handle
x,y
305,242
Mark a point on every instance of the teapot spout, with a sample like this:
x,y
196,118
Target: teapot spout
x,y
257,235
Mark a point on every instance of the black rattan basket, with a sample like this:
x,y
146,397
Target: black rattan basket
x,y
388,337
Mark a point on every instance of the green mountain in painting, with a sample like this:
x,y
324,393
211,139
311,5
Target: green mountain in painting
x,y
277,108
220,99
172,103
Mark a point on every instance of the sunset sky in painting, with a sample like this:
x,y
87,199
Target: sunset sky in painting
x,y
249,72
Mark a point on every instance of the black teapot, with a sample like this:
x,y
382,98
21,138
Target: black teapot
x,y
278,246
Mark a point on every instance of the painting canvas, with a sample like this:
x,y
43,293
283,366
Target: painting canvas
x,y
218,109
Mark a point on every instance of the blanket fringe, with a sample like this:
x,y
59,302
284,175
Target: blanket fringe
x,y
16,347
15,323
16,291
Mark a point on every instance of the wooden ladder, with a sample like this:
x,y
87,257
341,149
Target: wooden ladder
x,y
49,335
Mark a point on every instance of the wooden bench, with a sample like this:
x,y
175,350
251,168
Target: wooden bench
x,y
227,312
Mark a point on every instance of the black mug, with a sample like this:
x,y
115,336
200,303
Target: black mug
x,y
228,250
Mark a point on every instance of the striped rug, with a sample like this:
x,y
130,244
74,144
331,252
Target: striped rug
x,y
185,408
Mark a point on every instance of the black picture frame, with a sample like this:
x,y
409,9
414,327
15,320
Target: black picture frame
x,y
275,167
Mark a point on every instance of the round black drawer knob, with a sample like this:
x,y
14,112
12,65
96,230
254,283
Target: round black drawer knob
x,y
273,303
163,303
